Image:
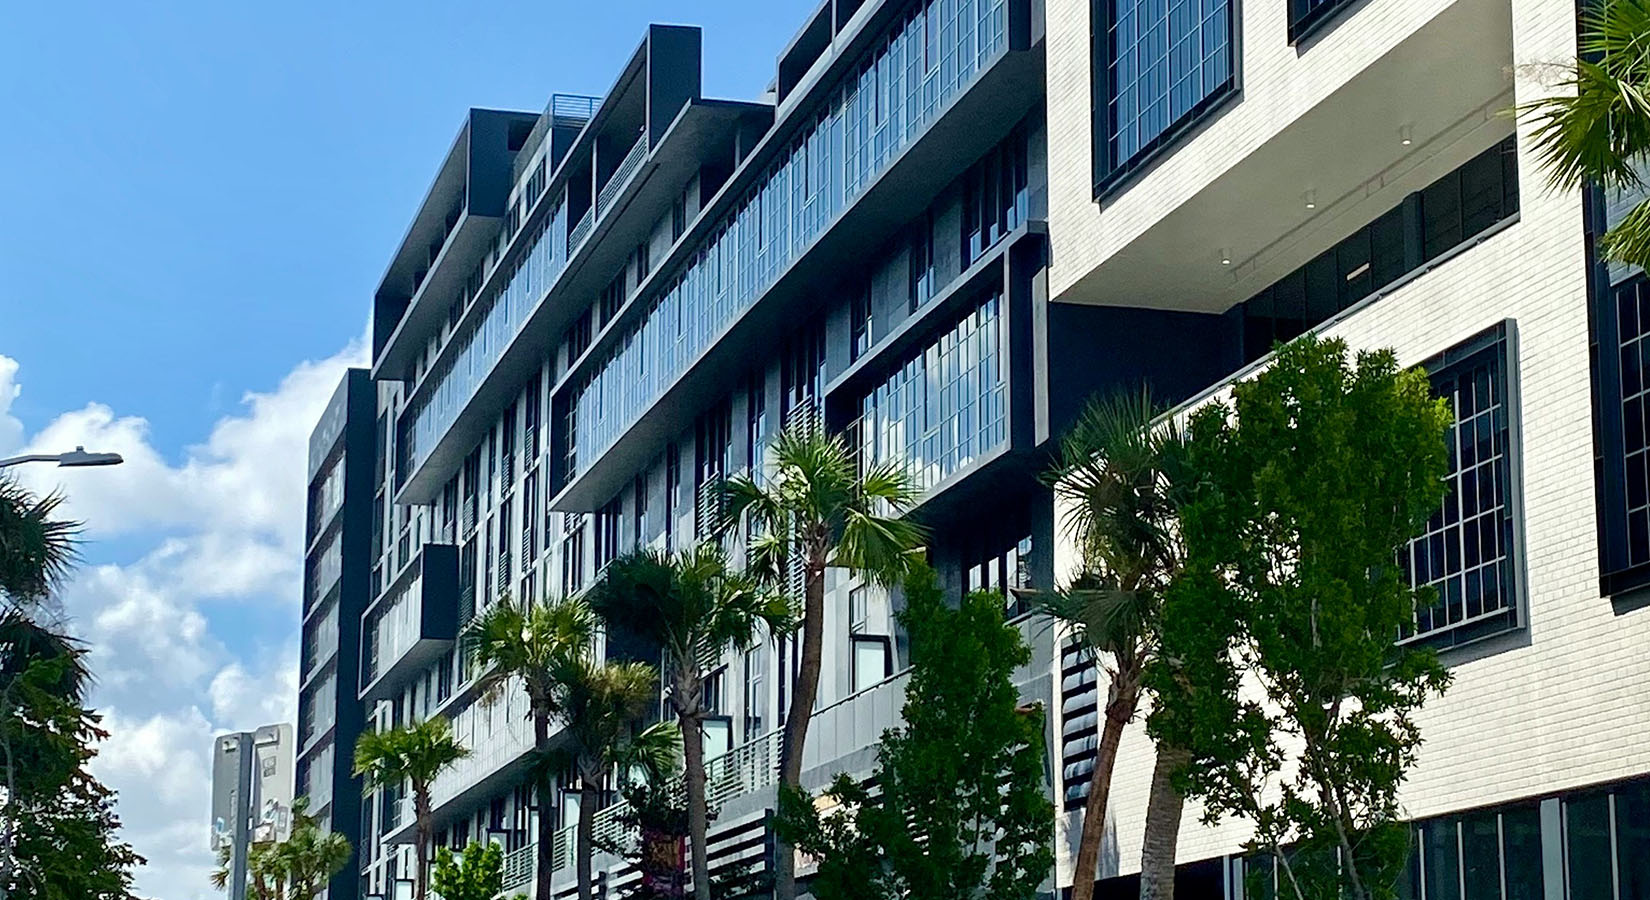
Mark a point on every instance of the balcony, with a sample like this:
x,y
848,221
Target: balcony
x,y
412,623
476,373
774,247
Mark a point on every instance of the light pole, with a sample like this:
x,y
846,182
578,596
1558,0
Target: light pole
x,y
76,458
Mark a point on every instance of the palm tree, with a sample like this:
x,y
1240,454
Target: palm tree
x,y
311,855
602,708
532,644
1113,481
1595,127
695,609
815,509
414,754
37,549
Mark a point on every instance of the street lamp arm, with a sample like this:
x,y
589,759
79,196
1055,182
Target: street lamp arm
x,y
28,458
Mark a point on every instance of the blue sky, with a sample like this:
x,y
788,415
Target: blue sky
x,y
199,198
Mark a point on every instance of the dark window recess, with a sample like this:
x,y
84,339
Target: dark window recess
x,y
1621,397
578,336
995,201
1429,223
1159,66
1467,551
922,276
1307,16
859,324
608,305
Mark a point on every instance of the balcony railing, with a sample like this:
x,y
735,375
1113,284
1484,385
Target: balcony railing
x,y
627,167
518,867
580,230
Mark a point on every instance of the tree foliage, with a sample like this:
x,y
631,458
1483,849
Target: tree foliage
x,y
1282,673
477,874
413,754
962,809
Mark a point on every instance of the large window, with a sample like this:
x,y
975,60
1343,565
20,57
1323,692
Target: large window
x,y
1158,66
1425,226
1622,398
1467,552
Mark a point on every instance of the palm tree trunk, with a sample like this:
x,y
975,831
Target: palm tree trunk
x,y
589,796
1162,838
801,711
693,752
1118,713
421,851
543,853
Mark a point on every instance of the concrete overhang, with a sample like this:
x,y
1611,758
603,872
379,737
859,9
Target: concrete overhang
x,y
1448,83
971,125
700,128
474,182
435,569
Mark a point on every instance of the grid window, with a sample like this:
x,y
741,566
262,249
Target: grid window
x,y
1633,314
1466,552
1306,16
1160,65
944,407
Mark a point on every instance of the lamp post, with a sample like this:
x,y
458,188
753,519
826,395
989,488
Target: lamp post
x,y
74,459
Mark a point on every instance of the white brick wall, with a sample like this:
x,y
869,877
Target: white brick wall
x,y
1566,703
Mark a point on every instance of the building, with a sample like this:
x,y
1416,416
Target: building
x,y
342,472
252,790
944,226
1349,167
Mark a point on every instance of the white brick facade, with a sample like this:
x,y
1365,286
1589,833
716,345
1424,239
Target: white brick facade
x,y
1563,703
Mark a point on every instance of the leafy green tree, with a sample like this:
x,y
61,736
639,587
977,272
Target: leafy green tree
x,y
530,645
963,809
815,509
602,708
1594,128
477,874
1115,483
694,608
654,811
1313,479
412,754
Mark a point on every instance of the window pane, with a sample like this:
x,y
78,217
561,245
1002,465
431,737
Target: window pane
x,y
1521,848
1633,841
1587,838
1481,856
1442,861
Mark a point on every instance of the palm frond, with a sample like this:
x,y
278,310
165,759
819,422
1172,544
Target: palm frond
x,y
37,548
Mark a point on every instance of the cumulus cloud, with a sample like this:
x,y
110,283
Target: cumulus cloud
x,y
178,646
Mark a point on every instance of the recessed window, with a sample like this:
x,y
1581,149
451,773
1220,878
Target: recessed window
x,y
1158,67
1467,552
1622,394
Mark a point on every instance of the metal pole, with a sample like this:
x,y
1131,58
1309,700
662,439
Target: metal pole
x,y
243,837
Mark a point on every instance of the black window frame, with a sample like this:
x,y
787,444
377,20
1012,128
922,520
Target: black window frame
x,y
1110,176
1619,573
1307,20
1494,348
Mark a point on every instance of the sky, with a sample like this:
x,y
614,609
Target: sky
x,y
197,200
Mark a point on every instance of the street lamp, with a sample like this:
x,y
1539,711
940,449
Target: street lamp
x,y
76,458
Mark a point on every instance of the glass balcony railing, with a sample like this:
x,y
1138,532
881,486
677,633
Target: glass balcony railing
x,y
902,86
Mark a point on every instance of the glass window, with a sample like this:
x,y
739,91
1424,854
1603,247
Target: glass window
x,y
1158,65
1481,856
1521,852
1441,853
1466,552
1633,841
756,691
1587,845
871,662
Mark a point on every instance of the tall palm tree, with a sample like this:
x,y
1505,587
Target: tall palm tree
x,y
816,509
1113,481
414,754
310,855
1595,127
694,608
531,644
602,709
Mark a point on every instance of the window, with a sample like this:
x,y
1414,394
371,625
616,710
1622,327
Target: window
x,y
612,296
756,424
1450,212
1159,66
572,554
644,262
1622,397
1467,550
678,218
607,533
578,336
756,691
995,202
859,323
922,276
673,493
640,525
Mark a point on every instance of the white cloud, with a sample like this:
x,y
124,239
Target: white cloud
x,y
213,543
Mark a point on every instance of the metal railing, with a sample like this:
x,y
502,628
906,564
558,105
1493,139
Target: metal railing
x,y
580,230
621,174
518,867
